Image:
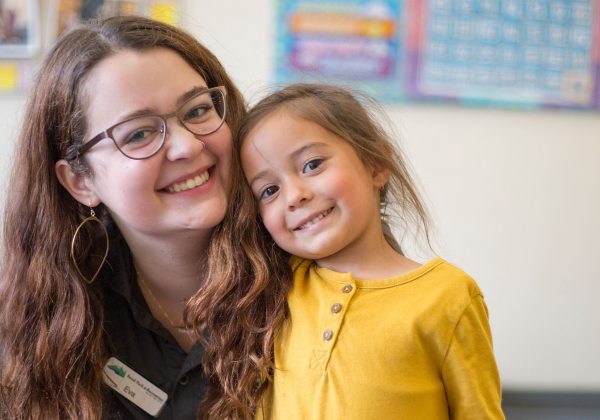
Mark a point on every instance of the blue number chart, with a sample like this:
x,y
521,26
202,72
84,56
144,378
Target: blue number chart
x,y
508,52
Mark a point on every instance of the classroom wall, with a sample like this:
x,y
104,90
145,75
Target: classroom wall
x,y
515,197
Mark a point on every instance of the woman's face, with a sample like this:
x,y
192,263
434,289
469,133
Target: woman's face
x,y
183,188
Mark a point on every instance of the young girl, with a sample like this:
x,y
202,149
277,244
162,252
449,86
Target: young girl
x,y
119,210
370,334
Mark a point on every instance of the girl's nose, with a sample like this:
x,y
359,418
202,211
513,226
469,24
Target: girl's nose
x,y
181,143
297,194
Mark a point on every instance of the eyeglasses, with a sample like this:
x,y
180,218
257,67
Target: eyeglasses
x,y
142,137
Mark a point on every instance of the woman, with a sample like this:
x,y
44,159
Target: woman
x,y
123,175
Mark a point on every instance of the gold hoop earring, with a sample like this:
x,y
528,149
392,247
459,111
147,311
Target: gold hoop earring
x,y
90,219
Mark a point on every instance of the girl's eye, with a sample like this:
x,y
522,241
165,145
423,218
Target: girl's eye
x,y
268,192
312,165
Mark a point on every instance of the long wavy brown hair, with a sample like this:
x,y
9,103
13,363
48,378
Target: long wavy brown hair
x,y
239,311
248,316
51,335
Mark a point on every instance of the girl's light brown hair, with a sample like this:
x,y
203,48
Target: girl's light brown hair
x,y
51,335
256,312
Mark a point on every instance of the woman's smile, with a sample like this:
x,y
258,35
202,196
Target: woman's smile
x,y
189,183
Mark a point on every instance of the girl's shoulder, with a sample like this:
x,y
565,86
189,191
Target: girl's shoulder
x,y
449,280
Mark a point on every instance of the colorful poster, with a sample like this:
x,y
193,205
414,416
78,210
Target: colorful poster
x,y
359,43
506,52
528,54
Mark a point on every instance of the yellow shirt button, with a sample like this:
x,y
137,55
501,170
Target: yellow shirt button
x,y
336,308
327,335
347,288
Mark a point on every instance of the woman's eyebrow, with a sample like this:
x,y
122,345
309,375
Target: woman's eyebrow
x,y
191,93
196,90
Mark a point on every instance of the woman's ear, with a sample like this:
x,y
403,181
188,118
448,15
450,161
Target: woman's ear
x,y
380,176
76,184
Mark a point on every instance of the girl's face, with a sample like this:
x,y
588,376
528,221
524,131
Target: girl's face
x,y
316,197
141,194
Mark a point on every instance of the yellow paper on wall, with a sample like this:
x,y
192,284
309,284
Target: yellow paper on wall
x,y
164,12
8,76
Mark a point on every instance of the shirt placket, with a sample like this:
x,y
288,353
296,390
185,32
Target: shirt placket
x,y
331,323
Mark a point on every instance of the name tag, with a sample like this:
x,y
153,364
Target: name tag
x,y
134,387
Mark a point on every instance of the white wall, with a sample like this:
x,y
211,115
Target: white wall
x,y
515,196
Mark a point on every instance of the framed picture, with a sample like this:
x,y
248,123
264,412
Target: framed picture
x,y
64,15
19,28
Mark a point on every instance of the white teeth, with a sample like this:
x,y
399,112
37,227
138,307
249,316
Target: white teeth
x,y
190,183
315,220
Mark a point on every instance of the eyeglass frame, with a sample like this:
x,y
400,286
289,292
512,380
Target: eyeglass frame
x,y
84,147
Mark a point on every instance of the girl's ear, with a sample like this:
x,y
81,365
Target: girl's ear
x,y
381,176
76,184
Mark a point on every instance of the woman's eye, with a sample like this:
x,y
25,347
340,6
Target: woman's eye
x,y
140,135
268,192
197,112
312,165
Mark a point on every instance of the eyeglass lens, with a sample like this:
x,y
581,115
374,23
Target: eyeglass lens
x,y
142,136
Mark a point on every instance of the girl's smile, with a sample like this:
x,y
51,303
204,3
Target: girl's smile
x,y
313,221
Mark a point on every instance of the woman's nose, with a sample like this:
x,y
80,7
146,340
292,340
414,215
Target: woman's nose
x,y
180,142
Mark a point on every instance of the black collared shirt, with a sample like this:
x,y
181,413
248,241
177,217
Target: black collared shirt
x,y
138,340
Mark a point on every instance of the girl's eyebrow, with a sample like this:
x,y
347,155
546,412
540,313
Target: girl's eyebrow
x,y
258,176
295,153
292,155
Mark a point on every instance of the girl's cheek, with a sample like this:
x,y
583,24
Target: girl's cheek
x,y
270,222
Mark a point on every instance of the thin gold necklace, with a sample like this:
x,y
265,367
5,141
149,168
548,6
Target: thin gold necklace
x,y
160,307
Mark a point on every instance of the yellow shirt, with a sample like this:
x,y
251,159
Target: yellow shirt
x,y
417,346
